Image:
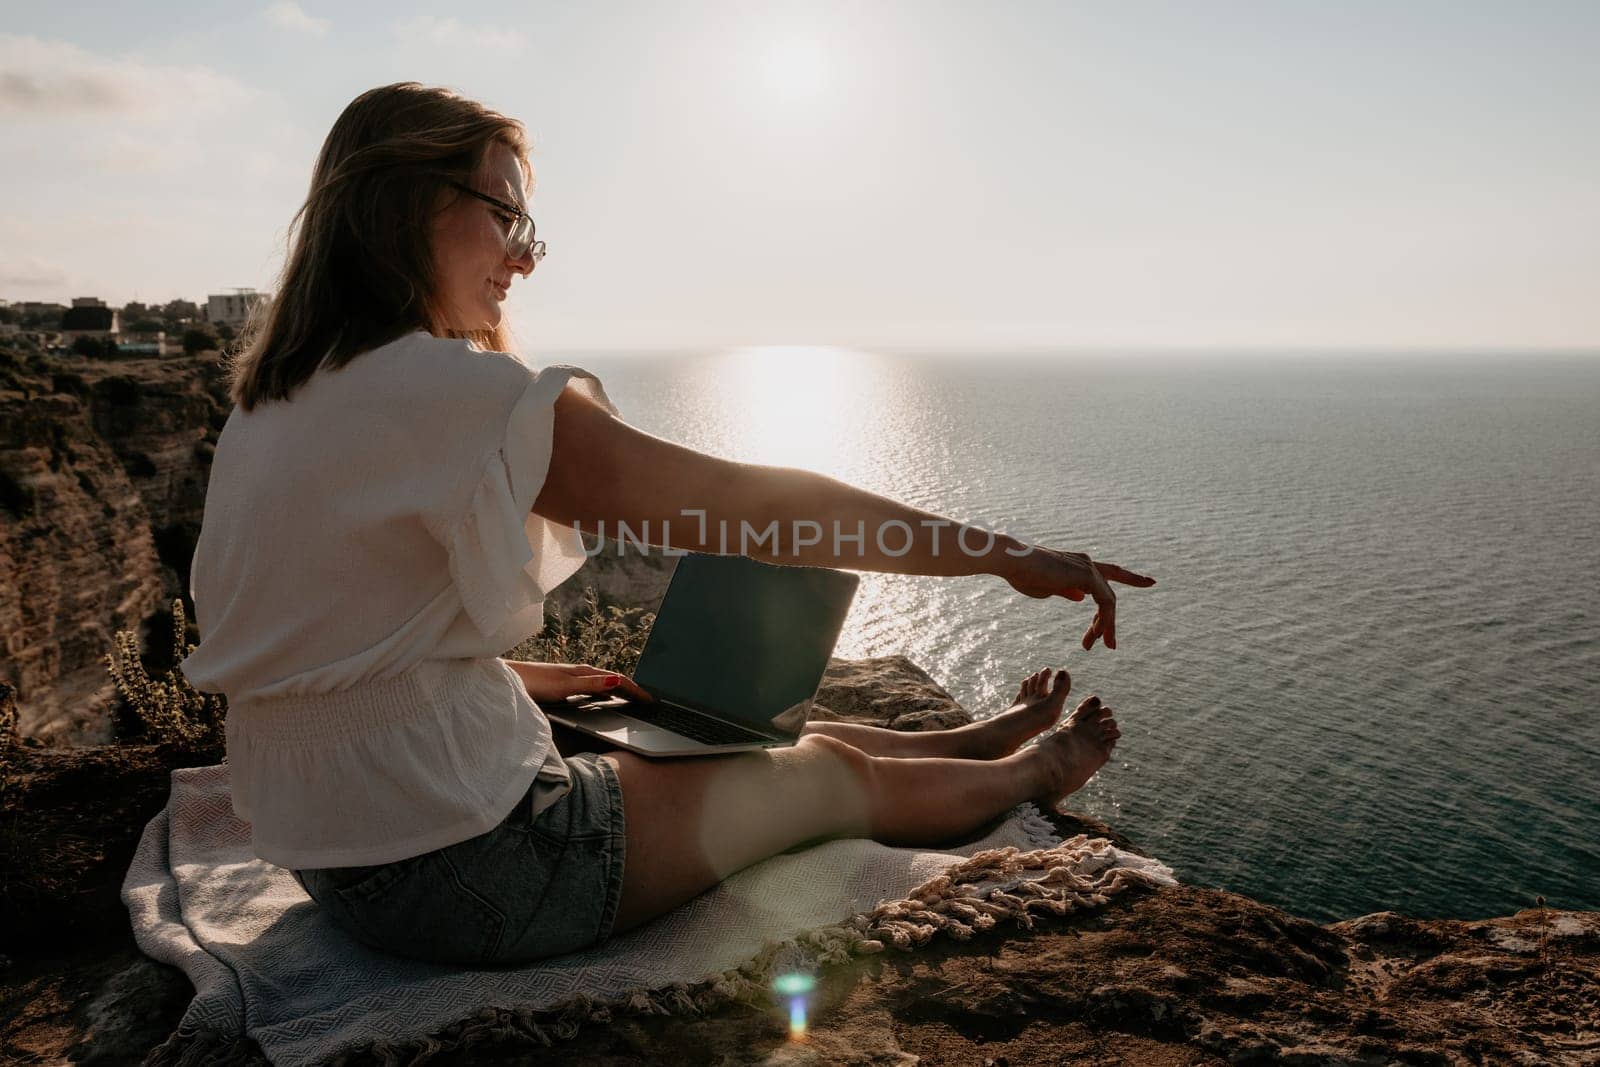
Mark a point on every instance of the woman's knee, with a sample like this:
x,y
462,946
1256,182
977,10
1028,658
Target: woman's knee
x,y
845,767
843,750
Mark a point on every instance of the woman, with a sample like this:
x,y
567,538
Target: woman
x,y
393,496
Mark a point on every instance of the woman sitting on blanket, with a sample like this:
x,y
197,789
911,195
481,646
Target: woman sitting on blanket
x,y
380,749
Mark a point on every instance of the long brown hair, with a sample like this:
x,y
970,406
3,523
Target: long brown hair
x,y
360,271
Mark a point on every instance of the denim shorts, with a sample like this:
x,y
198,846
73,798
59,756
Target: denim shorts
x,y
531,887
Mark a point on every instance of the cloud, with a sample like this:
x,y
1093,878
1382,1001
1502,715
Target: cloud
x,y
452,33
288,15
28,273
54,79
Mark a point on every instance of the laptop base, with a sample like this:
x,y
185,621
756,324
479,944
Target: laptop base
x,y
645,738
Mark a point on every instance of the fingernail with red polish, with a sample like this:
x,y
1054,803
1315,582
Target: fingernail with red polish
x,y
613,679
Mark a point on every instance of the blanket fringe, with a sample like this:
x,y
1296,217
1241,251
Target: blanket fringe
x,y
973,896
1041,833
203,1048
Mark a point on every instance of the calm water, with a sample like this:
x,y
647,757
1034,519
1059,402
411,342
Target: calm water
x,y
1370,673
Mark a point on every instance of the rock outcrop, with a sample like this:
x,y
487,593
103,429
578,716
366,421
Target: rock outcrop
x,y
623,576
103,470
1185,975
103,473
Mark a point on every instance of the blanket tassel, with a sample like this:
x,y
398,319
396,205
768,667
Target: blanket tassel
x,y
202,1048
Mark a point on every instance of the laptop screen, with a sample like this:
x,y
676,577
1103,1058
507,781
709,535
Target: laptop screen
x,y
745,640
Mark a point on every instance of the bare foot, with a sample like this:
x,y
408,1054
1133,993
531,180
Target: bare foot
x,y
1073,754
1037,706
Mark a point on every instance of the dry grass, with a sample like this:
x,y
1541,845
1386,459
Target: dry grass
x,y
8,733
170,709
610,638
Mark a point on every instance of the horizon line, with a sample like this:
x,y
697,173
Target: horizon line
x,y
1078,347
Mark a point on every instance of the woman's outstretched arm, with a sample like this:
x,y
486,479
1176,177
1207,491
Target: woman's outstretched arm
x,y
605,474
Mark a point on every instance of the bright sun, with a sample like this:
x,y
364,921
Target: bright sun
x,y
796,68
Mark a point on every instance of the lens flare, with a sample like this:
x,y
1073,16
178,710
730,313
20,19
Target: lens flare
x,y
795,986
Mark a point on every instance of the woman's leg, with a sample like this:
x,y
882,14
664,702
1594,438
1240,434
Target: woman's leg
x,y
692,822
1034,709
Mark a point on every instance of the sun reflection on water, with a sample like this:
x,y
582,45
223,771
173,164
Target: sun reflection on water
x,y
841,412
877,421
800,406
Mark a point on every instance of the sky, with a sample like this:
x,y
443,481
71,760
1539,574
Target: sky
x,y
1281,174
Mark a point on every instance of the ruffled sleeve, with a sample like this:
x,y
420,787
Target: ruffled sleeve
x,y
504,559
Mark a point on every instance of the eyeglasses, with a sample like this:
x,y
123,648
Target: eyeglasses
x,y
519,232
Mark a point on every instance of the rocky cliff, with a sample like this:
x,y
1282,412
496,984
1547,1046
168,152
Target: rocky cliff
x,y
1185,975
103,472
103,469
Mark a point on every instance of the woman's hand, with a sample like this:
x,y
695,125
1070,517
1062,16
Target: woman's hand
x,y
558,681
1045,572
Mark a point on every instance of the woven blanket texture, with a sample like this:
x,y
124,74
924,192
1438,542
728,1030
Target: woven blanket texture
x,y
269,966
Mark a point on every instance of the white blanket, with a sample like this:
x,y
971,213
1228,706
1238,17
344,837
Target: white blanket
x,y
268,965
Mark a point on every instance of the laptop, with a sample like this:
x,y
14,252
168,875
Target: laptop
x,y
734,660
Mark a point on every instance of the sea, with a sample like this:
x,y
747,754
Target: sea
x,y
1369,675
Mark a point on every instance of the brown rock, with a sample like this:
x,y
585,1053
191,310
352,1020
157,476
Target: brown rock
x,y
1174,976
70,819
102,490
627,578
109,1007
886,691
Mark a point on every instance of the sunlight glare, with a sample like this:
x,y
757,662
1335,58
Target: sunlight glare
x,y
798,405
796,69
838,411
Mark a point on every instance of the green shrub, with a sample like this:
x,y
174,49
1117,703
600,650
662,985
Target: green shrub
x,y
196,341
67,382
169,708
610,638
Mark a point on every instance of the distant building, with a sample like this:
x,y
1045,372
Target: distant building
x,y
89,320
233,308
88,302
37,307
145,343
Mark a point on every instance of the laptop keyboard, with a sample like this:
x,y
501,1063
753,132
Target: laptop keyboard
x,y
707,730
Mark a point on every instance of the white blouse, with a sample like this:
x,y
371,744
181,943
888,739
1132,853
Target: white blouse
x,y
368,550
